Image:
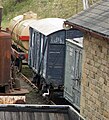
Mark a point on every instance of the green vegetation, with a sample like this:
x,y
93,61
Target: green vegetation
x,y
27,71
43,8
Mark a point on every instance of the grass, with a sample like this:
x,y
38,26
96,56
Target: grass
x,y
27,71
43,8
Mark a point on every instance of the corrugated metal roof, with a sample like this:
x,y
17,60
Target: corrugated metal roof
x,y
48,25
38,112
96,18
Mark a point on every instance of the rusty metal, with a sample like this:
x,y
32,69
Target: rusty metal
x,y
8,91
5,57
12,99
17,84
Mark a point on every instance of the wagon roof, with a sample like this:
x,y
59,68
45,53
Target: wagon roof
x,y
94,19
35,112
48,26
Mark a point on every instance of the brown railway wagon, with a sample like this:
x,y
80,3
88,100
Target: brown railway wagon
x,y
5,53
10,89
38,112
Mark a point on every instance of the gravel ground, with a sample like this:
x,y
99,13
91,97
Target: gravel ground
x,y
33,97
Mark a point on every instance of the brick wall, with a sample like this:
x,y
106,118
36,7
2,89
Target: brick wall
x,y
95,79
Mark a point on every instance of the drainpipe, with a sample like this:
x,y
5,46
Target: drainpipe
x,y
85,4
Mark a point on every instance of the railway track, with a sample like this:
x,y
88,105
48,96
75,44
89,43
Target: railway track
x,y
23,77
28,81
53,100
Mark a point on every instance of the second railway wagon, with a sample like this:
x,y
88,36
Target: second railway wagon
x,y
19,30
47,50
73,71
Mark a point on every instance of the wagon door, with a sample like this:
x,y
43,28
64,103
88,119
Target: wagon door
x,y
31,46
34,49
73,71
56,57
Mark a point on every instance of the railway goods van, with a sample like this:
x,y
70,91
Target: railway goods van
x,y
47,49
73,71
38,112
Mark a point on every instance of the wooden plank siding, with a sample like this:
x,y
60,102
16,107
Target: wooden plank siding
x,y
32,116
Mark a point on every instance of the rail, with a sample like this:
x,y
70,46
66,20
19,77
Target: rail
x,y
28,81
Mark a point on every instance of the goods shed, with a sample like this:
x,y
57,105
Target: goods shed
x,y
94,22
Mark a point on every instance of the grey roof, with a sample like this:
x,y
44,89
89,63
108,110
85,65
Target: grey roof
x,y
38,112
95,19
48,25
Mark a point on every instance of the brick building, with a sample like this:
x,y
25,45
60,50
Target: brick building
x,y
94,23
